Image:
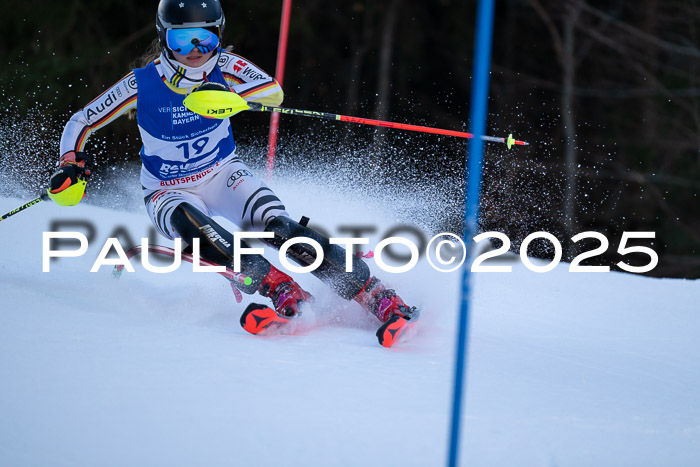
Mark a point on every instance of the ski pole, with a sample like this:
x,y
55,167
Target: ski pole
x,y
232,276
215,102
43,197
508,141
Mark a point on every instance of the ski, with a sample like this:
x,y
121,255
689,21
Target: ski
x,y
257,318
397,329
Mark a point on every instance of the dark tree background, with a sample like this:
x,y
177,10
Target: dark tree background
x,y
606,92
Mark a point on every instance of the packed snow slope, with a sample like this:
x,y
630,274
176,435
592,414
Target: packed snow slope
x,y
565,369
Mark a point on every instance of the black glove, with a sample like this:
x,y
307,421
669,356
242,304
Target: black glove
x,y
67,184
66,176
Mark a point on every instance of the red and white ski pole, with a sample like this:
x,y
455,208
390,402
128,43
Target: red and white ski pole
x,y
509,141
216,101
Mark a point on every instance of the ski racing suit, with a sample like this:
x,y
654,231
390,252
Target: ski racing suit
x,y
186,157
190,170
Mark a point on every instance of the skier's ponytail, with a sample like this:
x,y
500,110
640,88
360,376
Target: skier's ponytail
x,y
152,52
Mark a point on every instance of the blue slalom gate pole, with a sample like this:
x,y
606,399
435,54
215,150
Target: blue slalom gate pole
x,y
478,115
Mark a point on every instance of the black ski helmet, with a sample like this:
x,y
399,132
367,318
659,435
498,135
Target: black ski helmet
x,y
176,14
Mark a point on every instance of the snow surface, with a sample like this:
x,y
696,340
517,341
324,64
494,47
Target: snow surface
x,y
565,369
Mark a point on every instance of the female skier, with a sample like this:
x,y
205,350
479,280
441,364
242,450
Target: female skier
x,y
190,170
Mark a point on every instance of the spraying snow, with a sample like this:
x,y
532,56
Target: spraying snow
x,y
565,369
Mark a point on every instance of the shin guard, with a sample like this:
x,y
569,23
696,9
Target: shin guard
x,y
216,244
332,269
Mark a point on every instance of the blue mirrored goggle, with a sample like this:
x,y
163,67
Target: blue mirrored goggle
x,y
183,41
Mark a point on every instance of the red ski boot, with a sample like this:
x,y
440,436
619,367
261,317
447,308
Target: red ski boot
x,y
389,308
286,297
286,294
